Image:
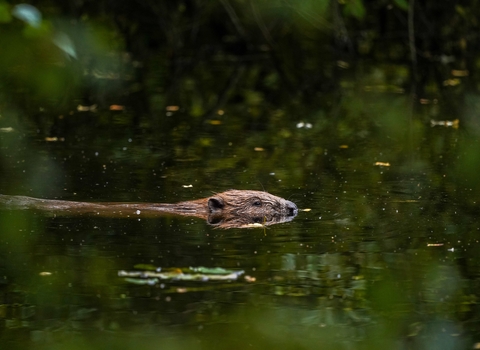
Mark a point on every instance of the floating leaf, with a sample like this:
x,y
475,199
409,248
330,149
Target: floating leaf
x,y
451,82
382,164
250,279
460,72
116,108
201,274
211,270
146,267
91,108
448,123
149,281
304,125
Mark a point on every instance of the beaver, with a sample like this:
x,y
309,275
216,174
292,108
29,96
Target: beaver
x,y
232,208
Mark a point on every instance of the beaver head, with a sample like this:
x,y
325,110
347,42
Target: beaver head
x,y
254,204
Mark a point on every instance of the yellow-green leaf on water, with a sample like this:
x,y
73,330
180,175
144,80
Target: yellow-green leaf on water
x,y
211,270
146,267
200,274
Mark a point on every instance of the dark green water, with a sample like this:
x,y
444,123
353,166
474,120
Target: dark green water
x,y
388,256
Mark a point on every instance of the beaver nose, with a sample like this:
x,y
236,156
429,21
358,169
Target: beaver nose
x,y
292,209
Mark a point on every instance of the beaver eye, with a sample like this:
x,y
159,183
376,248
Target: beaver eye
x,y
257,203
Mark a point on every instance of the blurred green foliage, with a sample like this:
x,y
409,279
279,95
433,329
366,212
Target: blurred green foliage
x,y
267,52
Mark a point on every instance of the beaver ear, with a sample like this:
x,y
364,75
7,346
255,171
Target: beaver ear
x,y
215,204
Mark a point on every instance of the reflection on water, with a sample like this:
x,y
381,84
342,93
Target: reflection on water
x,y
388,256
323,280
386,253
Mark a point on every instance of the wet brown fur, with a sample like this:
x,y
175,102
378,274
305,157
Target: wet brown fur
x,y
233,208
252,203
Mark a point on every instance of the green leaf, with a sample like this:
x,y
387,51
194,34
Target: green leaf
x,y
403,4
212,270
148,267
150,281
5,15
44,29
461,11
355,8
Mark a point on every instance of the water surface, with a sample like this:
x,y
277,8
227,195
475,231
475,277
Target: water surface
x,y
386,255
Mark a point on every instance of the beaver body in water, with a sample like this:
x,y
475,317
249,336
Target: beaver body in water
x,y
233,208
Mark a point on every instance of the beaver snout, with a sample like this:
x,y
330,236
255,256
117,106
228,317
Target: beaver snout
x,y
292,209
